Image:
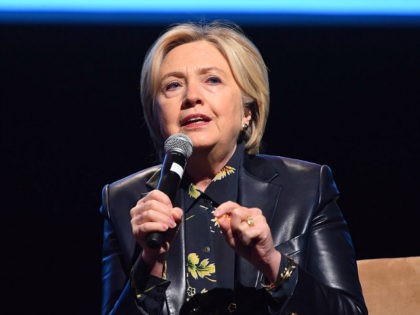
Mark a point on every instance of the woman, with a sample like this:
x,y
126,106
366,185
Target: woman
x,y
247,233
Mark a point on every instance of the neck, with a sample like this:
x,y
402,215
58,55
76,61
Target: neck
x,y
203,165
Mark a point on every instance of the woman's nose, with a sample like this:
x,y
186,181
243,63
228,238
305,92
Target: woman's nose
x,y
192,95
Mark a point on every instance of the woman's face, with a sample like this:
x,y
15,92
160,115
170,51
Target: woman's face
x,y
199,97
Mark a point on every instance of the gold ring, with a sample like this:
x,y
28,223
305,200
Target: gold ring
x,y
250,221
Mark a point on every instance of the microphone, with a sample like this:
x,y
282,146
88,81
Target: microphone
x,y
178,148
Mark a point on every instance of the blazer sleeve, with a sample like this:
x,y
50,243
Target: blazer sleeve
x,y
327,278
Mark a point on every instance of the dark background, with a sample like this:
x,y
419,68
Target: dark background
x,y
346,96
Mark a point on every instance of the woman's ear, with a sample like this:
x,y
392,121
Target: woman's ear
x,y
246,119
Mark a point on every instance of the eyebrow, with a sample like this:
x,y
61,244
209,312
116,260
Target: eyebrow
x,y
210,69
200,71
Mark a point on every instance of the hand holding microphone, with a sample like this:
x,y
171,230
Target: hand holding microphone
x,y
155,208
178,148
153,215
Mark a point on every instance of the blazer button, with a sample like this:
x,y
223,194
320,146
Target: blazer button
x,y
231,307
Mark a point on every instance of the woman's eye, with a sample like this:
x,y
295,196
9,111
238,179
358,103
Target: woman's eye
x,y
214,80
172,85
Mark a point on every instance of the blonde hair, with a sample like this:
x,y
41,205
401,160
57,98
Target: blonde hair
x,y
247,66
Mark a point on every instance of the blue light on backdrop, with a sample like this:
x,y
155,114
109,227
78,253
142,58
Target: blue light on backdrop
x,y
261,11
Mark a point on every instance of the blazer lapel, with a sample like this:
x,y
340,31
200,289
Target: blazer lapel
x,y
256,190
175,293
176,264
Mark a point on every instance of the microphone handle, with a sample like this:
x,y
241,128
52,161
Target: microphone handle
x,y
155,240
170,179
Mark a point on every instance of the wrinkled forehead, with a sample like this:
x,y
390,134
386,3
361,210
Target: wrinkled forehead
x,y
200,48
194,58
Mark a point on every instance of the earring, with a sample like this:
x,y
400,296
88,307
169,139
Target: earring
x,y
244,126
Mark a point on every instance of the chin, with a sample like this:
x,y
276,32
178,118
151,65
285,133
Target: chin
x,y
202,146
200,139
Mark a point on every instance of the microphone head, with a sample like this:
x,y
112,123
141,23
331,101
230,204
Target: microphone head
x,y
180,143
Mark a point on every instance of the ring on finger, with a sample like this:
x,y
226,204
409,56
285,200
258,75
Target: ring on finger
x,y
250,221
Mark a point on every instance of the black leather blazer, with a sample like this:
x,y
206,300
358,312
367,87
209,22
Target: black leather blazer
x,y
299,201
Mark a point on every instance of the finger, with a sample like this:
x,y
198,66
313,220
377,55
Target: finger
x,y
177,214
230,214
155,205
153,216
149,227
238,215
148,204
224,222
250,235
158,196
246,232
225,208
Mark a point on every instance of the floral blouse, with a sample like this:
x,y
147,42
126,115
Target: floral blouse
x,y
205,246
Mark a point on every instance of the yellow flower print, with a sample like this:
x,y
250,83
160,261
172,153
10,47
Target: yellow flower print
x,y
200,269
225,171
193,192
215,220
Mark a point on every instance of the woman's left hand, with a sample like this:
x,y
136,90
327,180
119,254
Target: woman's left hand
x,y
247,232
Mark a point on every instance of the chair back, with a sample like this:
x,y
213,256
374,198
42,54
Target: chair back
x,y
391,286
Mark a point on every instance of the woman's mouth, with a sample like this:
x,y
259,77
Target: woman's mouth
x,y
195,120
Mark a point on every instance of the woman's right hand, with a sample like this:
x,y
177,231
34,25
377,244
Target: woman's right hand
x,y
154,213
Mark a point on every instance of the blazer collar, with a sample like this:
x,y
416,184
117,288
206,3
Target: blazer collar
x,y
154,179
